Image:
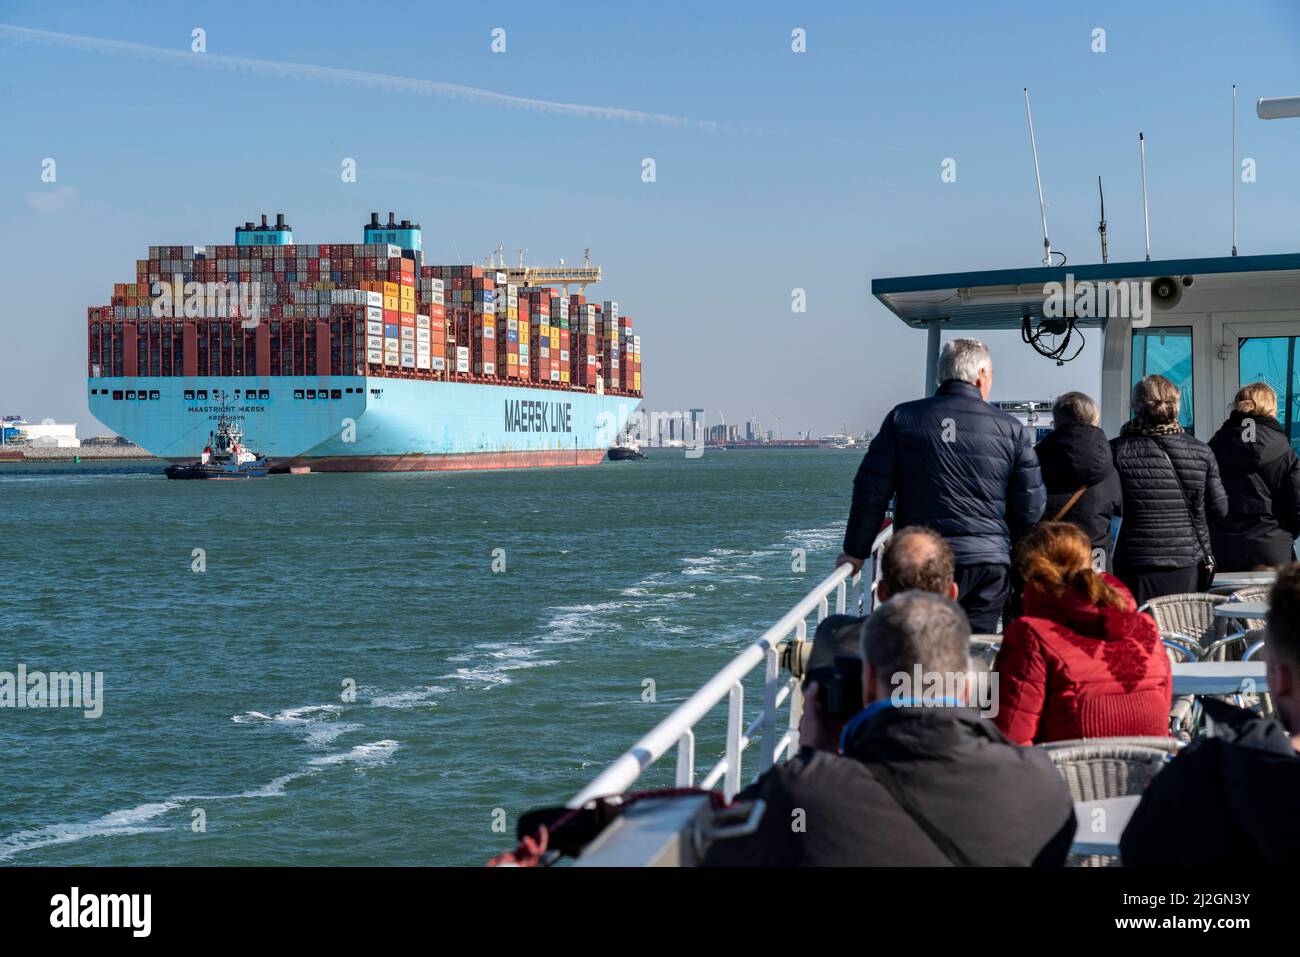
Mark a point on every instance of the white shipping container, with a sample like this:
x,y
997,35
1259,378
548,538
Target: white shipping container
x,y
392,359
390,344
421,362
408,348
374,299
408,332
375,355
422,335
374,328
439,363
408,362
462,352
555,375
421,322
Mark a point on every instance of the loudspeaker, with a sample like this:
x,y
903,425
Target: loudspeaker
x,y
1166,293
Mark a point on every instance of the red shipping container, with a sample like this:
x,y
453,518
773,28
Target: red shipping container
x,y
262,334
322,348
130,351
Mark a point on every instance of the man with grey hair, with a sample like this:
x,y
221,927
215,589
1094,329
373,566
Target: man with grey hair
x,y
921,780
1079,473
964,468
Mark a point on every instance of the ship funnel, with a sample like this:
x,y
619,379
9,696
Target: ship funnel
x,y
248,225
392,220
279,220
264,221
374,220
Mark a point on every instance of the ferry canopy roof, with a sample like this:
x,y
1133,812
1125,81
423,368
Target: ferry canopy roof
x,y
1003,298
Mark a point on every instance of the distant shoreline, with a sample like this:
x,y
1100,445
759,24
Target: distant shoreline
x,y
97,453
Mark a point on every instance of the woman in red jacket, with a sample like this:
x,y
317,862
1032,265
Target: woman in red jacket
x,y
1080,662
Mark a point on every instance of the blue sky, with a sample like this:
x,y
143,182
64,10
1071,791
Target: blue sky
x,y
818,170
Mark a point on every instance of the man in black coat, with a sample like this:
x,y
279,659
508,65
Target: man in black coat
x,y
1230,800
961,467
920,782
1076,456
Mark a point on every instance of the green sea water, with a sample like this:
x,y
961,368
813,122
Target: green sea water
x,y
229,734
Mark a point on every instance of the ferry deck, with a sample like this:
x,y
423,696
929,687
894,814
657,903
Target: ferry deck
x,y
1220,322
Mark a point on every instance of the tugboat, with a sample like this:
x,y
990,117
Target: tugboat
x,y
225,456
625,450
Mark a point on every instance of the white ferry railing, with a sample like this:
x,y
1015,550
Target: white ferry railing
x,y
678,729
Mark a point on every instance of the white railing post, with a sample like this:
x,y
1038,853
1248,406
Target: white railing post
x,y
841,595
686,760
735,728
796,717
771,687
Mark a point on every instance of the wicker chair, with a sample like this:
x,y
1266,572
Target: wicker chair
x,y
1187,617
1187,626
1098,768
1232,646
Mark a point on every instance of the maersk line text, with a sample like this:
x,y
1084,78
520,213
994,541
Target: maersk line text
x,y
529,415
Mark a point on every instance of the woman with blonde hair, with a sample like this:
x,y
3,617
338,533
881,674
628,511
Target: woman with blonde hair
x,y
1261,475
1172,494
1080,662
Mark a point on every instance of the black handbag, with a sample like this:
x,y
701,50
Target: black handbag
x,y
1205,566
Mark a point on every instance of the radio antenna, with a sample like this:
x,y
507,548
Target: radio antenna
x,y
1102,228
1146,219
1042,208
1234,169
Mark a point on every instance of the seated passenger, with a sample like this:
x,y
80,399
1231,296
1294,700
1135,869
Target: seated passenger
x,y
1230,800
928,783
1080,662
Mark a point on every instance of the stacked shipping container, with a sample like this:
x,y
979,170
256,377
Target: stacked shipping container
x,y
346,309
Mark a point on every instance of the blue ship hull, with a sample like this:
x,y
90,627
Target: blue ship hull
x,y
362,423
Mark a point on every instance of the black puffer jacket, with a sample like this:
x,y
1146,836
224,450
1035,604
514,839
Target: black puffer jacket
x,y
1000,805
1073,456
1157,531
958,465
1228,801
1261,475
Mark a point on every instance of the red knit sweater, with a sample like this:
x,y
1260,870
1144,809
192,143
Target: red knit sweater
x,y
1068,669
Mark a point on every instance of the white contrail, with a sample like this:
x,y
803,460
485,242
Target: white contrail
x,y
325,74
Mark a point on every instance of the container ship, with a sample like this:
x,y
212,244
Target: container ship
x,y
362,357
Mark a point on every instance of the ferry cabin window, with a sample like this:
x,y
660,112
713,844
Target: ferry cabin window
x,y
189,393
1167,351
117,394
1272,360
203,394
336,394
264,393
297,393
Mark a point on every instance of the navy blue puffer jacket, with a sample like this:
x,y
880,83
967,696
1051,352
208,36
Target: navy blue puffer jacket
x,y
956,464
